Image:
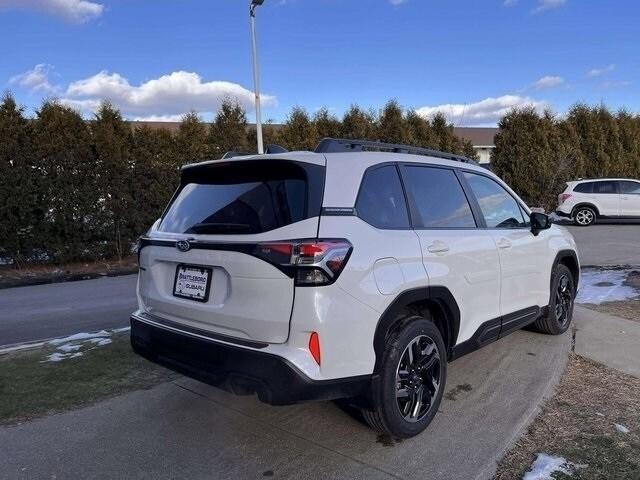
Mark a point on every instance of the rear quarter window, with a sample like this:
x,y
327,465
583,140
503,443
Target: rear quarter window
x,y
381,201
584,187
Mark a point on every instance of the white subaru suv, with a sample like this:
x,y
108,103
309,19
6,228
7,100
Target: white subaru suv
x,y
356,271
587,200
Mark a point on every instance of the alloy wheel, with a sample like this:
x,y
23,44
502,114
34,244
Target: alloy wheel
x,y
564,300
417,378
584,217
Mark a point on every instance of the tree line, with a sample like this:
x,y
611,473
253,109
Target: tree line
x,y
77,190
536,153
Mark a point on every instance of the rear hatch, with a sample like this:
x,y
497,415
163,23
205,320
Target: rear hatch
x,y
212,263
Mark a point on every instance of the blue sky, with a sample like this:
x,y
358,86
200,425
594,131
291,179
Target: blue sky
x,y
471,59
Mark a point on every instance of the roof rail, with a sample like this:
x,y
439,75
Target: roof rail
x,y
337,145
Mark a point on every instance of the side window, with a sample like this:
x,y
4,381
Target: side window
x,y
629,188
381,201
499,208
584,187
604,187
439,199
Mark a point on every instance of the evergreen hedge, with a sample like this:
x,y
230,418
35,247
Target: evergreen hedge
x,y
76,190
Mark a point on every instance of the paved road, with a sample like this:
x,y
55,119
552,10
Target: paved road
x,y
186,429
45,311
608,244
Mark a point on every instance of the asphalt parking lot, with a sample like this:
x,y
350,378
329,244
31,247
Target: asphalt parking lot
x,y
608,244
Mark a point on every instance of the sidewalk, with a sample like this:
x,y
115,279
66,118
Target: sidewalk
x,y
612,341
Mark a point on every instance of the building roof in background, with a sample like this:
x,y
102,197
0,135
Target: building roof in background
x,y
478,136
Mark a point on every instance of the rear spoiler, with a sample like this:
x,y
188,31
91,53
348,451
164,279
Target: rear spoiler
x,y
271,148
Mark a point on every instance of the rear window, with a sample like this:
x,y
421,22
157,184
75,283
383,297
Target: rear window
x,y
244,197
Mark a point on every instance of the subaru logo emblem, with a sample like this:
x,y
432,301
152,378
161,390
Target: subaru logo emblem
x,y
183,245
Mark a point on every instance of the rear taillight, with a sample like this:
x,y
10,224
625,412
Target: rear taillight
x,y
312,262
563,196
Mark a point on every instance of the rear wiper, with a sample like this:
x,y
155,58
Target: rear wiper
x,y
215,227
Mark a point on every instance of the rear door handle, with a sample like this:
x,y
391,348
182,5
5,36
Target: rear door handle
x,y
438,247
503,243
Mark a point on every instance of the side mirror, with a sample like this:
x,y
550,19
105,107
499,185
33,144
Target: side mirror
x,y
539,222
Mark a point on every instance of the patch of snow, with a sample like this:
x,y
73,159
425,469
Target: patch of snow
x,y
99,342
119,330
58,357
79,336
600,414
621,428
70,347
546,465
599,286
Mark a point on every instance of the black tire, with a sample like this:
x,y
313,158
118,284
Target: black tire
x,y
584,216
563,292
401,383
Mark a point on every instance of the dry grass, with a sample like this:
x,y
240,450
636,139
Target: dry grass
x,y
578,424
31,388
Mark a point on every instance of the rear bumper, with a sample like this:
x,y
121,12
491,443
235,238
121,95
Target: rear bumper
x,y
239,370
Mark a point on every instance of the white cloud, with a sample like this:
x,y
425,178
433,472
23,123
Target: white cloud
x,y
548,81
598,72
509,3
168,96
485,112
544,5
397,2
76,11
36,79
